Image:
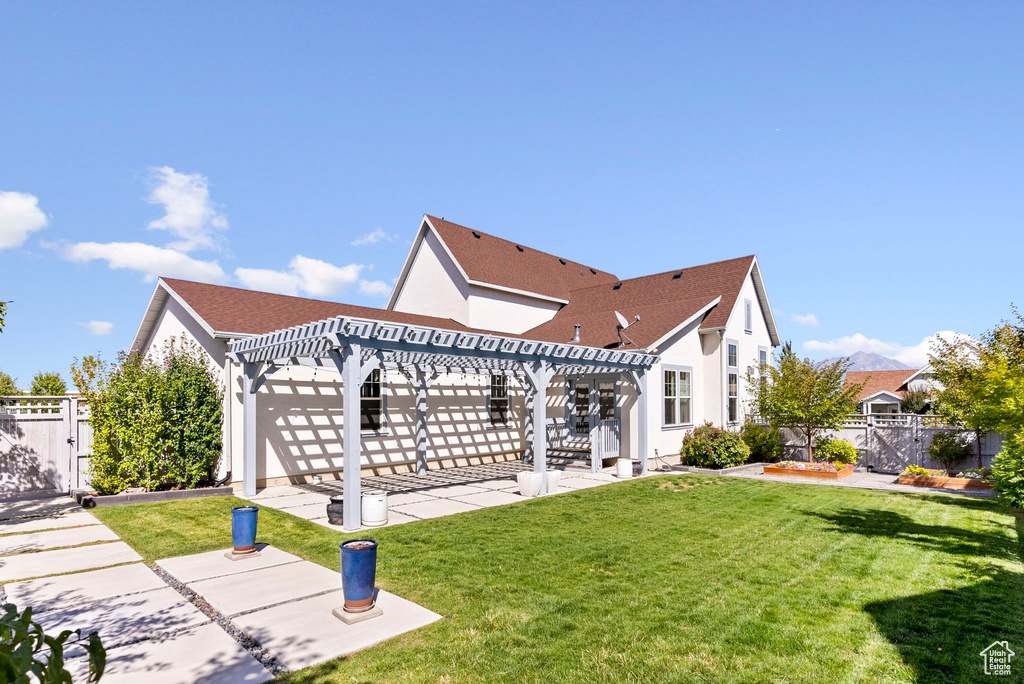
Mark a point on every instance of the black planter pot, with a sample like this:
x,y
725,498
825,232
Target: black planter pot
x,y
335,510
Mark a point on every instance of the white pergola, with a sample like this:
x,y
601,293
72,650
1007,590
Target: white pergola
x,y
357,346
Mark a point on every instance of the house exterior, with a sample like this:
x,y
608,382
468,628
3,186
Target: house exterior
x,y
883,391
492,318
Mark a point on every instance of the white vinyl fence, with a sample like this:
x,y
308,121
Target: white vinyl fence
x,y
44,444
890,442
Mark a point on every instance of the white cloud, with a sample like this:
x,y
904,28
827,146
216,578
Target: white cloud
x,y
374,287
189,213
808,320
152,261
373,237
98,327
915,356
19,215
309,276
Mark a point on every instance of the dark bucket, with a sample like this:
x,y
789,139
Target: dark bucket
x,y
243,528
358,574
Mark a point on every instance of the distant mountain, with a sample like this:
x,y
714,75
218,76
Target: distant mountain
x,y
867,361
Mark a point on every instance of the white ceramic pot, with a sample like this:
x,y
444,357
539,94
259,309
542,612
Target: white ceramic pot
x,y
553,477
530,483
624,468
375,509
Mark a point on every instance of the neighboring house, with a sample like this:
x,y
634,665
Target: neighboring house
x,y
884,391
490,316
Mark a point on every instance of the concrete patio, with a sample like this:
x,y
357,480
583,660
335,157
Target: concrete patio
x,y
435,494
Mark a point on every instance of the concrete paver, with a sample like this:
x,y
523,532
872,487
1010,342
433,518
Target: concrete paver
x,y
42,563
37,541
273,492
310,511
201,566
408,497
453,490
579,483
435,508
293,500
125,618
264,587
19,508
491,498
394,518
504,483
303,633
49,522
48,593
205,654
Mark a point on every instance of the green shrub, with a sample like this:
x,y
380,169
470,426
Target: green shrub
x,y
154,423
25,649
836,451
713,447
949,449
764,442
1007,473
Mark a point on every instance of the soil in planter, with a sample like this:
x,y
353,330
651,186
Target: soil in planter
x,y
357,545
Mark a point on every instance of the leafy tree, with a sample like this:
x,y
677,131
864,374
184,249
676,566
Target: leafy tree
x,y
48,384
8,386
803,395
949,450
917,401
3,315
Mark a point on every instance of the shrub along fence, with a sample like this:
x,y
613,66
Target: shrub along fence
x,y
890,442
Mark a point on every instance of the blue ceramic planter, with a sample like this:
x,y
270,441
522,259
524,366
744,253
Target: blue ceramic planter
x,y
243,528
358,574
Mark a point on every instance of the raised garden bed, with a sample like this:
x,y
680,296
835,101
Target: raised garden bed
x,y
90,500
812,474
943,482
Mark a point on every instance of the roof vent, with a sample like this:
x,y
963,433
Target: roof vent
x,y
593,271
476,235
617,285
519,247
562,261
677,275
576,333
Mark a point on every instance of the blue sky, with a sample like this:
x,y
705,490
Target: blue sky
x,y
870,154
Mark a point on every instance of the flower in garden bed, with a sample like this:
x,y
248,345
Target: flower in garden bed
x,y
824,467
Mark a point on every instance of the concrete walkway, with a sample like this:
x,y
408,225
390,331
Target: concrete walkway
x,y
418,497
150,631
861,479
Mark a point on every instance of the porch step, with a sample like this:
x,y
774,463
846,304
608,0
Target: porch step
x,y
573,463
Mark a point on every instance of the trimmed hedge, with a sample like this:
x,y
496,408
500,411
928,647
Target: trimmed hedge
x,y
713,447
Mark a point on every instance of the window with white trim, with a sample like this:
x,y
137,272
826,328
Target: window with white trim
x,y
734,355
497,404
733,375
748,316
677,393
734,398
371,403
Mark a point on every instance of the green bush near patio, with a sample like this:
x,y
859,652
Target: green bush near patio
x,y
677,578
765,443
836,451
709,446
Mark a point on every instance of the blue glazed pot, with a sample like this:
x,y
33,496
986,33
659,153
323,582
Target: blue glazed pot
x,y
243,528
358,574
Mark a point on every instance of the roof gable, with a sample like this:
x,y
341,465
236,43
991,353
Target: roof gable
x,y
875,382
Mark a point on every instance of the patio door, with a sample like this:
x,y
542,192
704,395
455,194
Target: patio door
x,y
582,418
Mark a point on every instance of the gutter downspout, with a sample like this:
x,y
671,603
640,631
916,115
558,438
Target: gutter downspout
x,y
724,403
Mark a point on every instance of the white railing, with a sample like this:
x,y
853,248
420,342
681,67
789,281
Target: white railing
x,y
605,442
882,420
555,433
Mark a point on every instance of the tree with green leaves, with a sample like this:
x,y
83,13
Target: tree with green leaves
x,y
8,386
29,654
3,315
803,395
48,384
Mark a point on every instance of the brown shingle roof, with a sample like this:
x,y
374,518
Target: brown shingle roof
x,y
879,381
490,259
662,301
234,310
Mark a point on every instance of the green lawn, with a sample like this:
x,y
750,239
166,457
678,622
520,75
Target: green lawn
x,y
681,578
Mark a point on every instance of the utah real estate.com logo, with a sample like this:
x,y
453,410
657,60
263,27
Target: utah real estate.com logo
x,y
997,658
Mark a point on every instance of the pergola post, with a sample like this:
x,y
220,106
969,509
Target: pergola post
x,y
420,382
249,387
539,374
348,361
530,428
642,404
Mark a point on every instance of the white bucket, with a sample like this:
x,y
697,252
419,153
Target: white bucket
x,y
530,483
553,477
624,468
375,509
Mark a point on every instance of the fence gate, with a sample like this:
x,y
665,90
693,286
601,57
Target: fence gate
x,y
42,442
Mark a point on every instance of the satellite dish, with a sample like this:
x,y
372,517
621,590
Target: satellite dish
x,y
622,320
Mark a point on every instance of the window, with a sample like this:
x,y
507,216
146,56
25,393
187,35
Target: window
x,y
733,356
762,357
733,399
497,406
371,403
581,405
748,316
677,395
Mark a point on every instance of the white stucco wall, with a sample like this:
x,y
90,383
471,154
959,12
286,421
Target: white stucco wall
x,y
434,286
506,311
749,343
